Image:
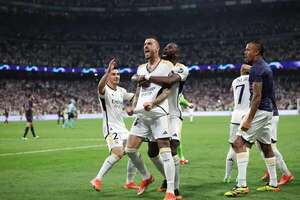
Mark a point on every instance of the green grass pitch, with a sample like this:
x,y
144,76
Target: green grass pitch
x,y
73,158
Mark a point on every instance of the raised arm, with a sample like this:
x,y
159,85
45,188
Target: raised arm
x,y
112,64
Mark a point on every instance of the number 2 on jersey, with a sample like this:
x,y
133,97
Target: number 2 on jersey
x,y
241,92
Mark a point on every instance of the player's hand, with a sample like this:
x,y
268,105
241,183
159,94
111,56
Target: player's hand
x,y
112,64
191,105
129,110
246,123
141,78
148,106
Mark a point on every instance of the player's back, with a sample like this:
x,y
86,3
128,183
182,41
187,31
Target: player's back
x,y
71,108
176,90
261,72
241,95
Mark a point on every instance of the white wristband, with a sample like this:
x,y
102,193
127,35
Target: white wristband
x,y
147,77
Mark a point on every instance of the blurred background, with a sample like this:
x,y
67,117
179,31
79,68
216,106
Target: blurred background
x,y
58,49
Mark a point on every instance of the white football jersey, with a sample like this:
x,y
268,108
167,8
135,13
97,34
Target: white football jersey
x,y
112,103
71,108
241,94
176,90
149,94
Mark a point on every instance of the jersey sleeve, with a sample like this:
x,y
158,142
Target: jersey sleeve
x,y
182,71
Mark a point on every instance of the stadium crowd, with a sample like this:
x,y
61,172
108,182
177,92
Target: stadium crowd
x,y
207,94
204,39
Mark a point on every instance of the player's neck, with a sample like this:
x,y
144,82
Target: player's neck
x,y
112,86
257,58
153,61
174,61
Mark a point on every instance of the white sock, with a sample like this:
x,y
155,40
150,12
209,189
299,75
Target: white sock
x,y
280,162
158,164
107,165
242,160
231,157
169,167
271,166
138,162
177,171
131,171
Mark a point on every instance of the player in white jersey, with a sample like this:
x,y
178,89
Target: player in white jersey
x,y
241,95
175,82
112,97
72,112
152,118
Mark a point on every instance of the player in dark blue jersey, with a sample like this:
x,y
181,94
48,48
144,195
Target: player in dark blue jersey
x,y
257,123
28,106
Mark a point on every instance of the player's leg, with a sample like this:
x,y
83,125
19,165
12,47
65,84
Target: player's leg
x,y
286,174
139,131
270,161
174,146
26,130
242,157
153,153
230,158
162,135
32,130
231,155
132,147
131,172
116,154
264,141
191,112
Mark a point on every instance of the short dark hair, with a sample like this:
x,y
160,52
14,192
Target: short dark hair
x,y
259,45
153,37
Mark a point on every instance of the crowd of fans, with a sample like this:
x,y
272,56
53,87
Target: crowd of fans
x,y
215,37
206,93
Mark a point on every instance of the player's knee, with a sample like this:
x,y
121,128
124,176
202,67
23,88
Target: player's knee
x,y
238,144
267,150
118,152
130,151
153,149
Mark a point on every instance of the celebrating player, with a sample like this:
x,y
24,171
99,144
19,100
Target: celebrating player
x,y
152,118
241,95
28,106
175,81
115,132
256,124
